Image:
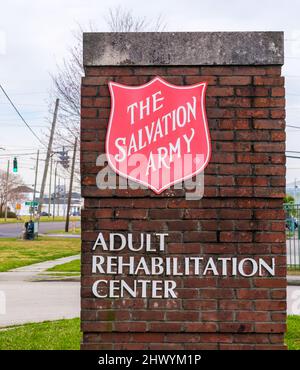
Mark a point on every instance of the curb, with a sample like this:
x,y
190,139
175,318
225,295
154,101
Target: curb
x,y
293,280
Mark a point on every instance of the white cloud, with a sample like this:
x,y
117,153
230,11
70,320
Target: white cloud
x,y
2,42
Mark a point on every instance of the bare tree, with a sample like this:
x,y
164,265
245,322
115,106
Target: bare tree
x,y
122,20
67,79
15,194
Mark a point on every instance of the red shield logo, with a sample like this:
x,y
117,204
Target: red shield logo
x,y
158,133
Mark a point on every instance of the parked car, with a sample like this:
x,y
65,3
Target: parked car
x,y
45,214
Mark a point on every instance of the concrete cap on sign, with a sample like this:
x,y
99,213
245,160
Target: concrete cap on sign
x,y
182,48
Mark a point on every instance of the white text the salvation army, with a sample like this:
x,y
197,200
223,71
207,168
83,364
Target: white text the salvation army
x,y
157,129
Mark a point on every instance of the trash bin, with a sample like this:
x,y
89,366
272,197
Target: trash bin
x,y
30,230
28,233
25,233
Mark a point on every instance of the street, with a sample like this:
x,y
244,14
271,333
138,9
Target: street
x,y
14,230
23,300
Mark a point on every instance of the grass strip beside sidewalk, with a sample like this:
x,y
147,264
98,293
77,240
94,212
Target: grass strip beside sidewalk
x,y
72,266
42,219
292,337
71,232
65,334
17,252
50,335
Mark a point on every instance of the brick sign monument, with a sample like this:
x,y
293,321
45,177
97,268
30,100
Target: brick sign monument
x,y
183,256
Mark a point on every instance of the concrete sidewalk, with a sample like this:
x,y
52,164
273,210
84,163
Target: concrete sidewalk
x,y
24,300
38,267
293,279
72,236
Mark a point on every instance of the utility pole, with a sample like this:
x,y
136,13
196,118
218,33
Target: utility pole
x,y
48,157
6,190
70,188
64,210
58,196
35,177
50,181
54,193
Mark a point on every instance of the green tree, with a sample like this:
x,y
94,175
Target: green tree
x,y
289,199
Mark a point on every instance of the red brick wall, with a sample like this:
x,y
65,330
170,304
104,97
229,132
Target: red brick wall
x,y
239,215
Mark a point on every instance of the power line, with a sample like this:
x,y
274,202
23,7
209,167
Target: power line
x,y
20,115
28,92
29,112
23,147
28,104
40,126
16,154
297,127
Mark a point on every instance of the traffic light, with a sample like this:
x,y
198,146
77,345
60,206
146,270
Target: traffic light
x,y
15,165
64,159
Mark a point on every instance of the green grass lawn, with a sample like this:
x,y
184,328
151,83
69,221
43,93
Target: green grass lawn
x,y
293,271
77,231
292,337
61,334
65,334
69,267
42,219
16,252
9,221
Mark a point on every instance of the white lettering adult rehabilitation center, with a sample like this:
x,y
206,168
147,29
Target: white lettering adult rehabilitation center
x,y
158,266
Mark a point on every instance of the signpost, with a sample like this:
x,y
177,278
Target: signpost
x,y
32,203
161,270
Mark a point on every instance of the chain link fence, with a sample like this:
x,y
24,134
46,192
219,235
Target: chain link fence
x,y
292,222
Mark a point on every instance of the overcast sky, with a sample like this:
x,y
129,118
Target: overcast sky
x,y
35,36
